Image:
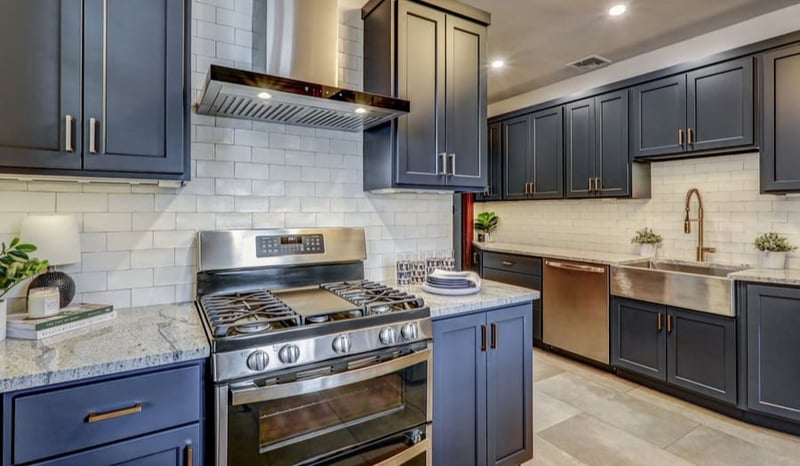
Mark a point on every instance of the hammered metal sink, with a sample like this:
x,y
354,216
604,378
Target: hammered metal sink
x,y
698,286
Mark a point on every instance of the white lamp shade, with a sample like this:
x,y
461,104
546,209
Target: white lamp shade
x,y
56,237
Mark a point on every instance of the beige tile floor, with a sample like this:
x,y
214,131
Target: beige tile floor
x,y
584,416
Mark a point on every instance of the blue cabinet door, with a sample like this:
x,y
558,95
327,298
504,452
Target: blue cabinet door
x,y
134,95
638,337
701,353
509,393
773,350
579,147
459,390
658,117
169,448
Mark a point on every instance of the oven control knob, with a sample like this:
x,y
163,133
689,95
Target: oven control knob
x,y
258,360
289,354
409,331
388,336
342,344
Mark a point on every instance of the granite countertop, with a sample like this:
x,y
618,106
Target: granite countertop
x,y
608,258
778,277
138,338
492,294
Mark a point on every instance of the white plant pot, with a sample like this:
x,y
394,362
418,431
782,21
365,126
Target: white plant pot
x,y
648,250
3,312
772,259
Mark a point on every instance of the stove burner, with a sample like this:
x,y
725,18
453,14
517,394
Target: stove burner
x,y
380,308
376,298
247,313
318,319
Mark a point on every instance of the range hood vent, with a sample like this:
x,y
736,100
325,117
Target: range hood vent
x,y
294,57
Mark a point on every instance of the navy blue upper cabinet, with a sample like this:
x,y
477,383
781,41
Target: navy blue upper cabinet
x,y
494,186
780,138
40,116
98,88
709,109
134,86
546,162
436,60
516,149
596,146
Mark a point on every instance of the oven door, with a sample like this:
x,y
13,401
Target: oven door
x,y
365,410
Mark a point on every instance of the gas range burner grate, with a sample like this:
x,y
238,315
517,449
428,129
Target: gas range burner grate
x,y
374,297
238,314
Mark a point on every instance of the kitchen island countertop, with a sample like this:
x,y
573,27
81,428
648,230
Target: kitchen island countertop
x,y
138,338
492,294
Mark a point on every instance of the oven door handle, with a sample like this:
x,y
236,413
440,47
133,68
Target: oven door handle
x,y
252,393
407,455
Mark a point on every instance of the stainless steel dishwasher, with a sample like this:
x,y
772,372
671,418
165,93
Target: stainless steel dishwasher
x,y
575,308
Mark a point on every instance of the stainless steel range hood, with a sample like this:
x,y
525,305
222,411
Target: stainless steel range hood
x,y
294,76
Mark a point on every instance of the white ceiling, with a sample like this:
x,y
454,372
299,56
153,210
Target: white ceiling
x,y
537,38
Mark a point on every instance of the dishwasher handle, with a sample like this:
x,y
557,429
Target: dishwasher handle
x,y
575,267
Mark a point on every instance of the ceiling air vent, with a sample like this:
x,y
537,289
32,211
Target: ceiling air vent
x,y
590,63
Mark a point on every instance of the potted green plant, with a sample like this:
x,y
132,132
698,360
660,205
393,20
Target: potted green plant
x,y
486,222
647,240
15,266
773,247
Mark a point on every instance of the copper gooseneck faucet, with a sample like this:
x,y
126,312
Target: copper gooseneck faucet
x,y
687,224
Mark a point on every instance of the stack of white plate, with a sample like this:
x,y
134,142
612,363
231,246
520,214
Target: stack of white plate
x,y
452,283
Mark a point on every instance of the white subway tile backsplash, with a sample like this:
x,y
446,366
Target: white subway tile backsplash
x,y
130,202
126,279
126,241
150,258
93,222
153,296
105,261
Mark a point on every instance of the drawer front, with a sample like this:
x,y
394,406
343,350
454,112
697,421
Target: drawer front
x,y
512,263
65,420
512,278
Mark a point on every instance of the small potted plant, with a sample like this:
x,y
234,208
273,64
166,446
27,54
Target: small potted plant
x,y
773,247
15,266
647,240
486,222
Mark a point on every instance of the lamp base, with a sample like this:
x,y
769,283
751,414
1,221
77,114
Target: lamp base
x,y
60,280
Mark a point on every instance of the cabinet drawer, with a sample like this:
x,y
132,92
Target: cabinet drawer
x,y
512,278
70,419
512,263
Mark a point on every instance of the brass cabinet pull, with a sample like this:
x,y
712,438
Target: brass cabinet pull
x,y
680,137
591,180
453,164
690,136
189,455
669,323
597,185
526,188
507,263
660,321
494,335
483,338
68,133
97,417
92,135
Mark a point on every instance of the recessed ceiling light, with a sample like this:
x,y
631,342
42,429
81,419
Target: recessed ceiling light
x,y
264,95
361,110
498,64
617,10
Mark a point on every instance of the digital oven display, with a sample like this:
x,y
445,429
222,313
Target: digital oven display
x,y
291,240
289,245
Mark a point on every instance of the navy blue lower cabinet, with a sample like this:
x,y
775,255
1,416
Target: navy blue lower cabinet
x,y
639,337
482,392
772,315
701,353
145,417
692,350
170,448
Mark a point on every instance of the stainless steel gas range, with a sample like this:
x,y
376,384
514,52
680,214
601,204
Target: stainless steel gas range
x,y
312,364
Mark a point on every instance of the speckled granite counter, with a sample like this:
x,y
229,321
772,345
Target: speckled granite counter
x,y
558,253
777,277
492,294
138,338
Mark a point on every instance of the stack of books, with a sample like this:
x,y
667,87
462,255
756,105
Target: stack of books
x,y
70,318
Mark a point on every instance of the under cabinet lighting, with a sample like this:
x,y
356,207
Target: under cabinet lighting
x,y
498,64
264,95
361,110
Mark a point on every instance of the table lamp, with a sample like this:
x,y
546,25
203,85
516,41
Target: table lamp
x,y
57,239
